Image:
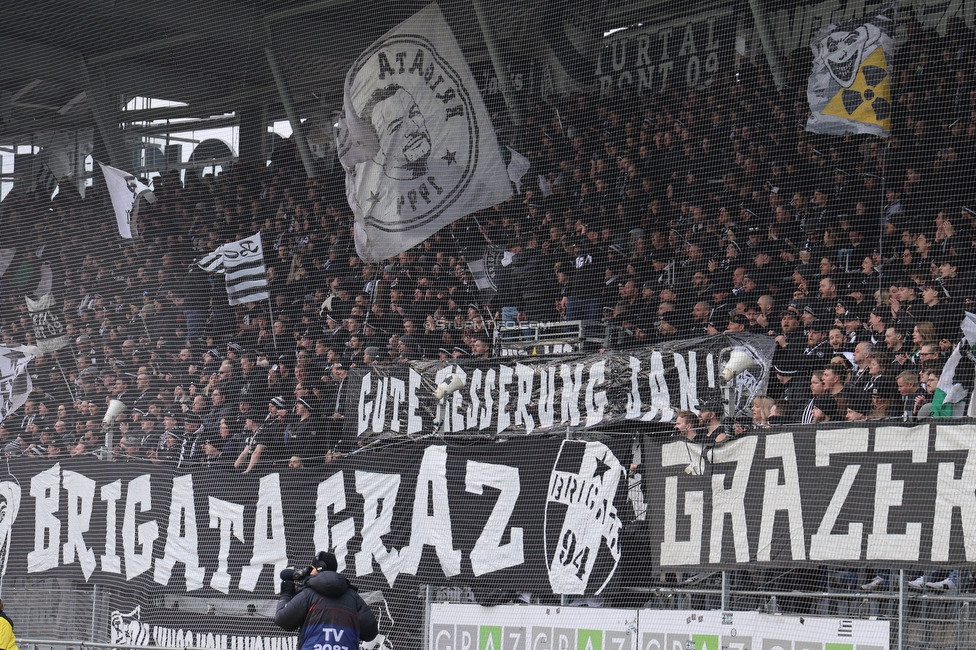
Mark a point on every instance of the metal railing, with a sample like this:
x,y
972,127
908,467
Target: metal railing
x,y
560,337
929,621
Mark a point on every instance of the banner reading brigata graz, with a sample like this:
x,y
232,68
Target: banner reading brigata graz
x,y
537,514
534,513
877,495
532,393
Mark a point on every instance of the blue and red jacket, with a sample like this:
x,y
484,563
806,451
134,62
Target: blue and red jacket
x,y
331,615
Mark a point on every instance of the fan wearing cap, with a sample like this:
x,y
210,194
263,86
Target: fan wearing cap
x,y
818,346
710,416
327,611
264,442
790,341
788,386
933,308
301,437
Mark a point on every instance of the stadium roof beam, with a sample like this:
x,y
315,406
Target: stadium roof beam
x,y
144,48
162,129
296,123
768,42
224,21
291,12
104,103
497,61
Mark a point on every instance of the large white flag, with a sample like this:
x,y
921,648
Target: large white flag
x,y
484,270
15,381
125,190
849,89
415,139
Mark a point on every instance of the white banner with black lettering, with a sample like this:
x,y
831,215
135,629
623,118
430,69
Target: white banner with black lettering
x,y
416,140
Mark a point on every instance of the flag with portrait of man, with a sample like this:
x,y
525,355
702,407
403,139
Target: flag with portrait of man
x,y
415,139
849,89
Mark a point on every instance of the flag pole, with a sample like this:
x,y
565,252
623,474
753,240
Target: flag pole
x,y
67,384
274,337
884,180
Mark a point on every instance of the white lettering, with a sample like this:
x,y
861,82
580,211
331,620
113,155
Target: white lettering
x,y
46,490
952,493
81,496
270,546
139,491
110,494
229,519
596,401
731,501
823,544
489,554
379,493
432,529
781,498
674,551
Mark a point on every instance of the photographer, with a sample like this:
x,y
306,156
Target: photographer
x,y
328,610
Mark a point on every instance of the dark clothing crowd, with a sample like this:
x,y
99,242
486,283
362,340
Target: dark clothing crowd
x,y
682,214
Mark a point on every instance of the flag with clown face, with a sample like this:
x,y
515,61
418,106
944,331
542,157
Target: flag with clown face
x,y
849,90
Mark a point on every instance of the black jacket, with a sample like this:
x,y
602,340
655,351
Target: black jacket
x,y
329,612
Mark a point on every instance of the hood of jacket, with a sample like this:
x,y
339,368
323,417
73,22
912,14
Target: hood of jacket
x,y
328,583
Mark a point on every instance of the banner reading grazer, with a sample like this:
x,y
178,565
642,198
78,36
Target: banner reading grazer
x,y
532,393
877,495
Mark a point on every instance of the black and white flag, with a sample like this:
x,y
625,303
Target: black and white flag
x,y
48,329
416,140
212,263
6,257
244,270
15,381
484,271
125,190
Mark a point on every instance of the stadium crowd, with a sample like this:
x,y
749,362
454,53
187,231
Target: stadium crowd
x,y
683,214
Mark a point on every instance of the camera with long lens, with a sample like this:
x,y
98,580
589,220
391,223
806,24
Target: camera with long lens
x,y
298,576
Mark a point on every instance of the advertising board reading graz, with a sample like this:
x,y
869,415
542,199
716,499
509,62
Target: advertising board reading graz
x,y
541,514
